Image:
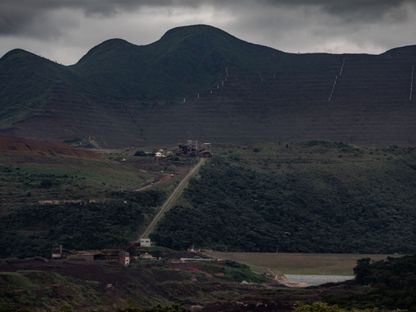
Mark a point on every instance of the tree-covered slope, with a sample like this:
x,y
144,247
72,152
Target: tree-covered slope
x,y
32,229
392,281
314,197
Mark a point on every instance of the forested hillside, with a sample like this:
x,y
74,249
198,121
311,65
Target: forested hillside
x,y
392,281
32,230
308,197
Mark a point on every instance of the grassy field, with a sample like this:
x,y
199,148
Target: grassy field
x,y
29,178
298,263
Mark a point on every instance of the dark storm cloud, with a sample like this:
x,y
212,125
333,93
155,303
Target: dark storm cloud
x,y
343,6
354,9
35,17
65,29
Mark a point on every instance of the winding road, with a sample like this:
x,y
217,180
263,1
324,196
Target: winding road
x,y
169,203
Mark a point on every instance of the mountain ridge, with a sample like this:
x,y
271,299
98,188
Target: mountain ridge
x,y
180,28
124,94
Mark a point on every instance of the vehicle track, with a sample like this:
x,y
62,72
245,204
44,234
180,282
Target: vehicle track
x,y
168,204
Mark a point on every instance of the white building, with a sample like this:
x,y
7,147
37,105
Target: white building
x,y
124,258
160,155
57,252
145,242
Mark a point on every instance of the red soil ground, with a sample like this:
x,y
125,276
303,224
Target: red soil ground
x,y
31,146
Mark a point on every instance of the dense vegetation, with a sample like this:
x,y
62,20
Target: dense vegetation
x,y
393,281
323,307
32,230
387,284
315,197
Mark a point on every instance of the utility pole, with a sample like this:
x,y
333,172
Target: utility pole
x,y
333,89
341,70
411,83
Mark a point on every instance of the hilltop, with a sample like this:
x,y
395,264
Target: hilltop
x,y
201,82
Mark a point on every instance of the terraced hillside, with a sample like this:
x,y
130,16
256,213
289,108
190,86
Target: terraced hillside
x,y
198,81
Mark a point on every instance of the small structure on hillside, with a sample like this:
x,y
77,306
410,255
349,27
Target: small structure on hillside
x,y
124,258
145,242
115,256
193,149
86,255
160,154
147,256
56,252
192,249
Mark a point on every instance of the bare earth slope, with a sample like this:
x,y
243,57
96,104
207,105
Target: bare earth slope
x,y
13,145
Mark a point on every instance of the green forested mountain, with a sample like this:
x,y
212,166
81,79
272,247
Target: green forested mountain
x,y
222,88
184,61
310,197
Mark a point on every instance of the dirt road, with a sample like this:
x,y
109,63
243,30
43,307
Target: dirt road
x,y
172,198
158,180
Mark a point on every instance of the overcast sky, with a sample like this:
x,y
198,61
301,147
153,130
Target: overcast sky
x,y
64,30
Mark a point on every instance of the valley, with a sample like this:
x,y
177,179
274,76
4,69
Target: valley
x,y
112,197
202,172
313,197
39,285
